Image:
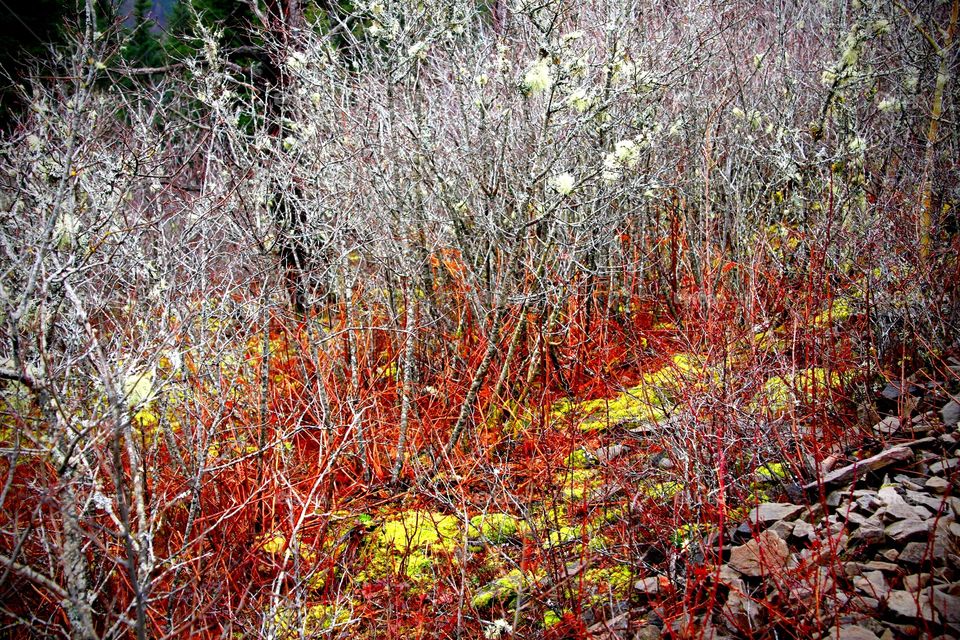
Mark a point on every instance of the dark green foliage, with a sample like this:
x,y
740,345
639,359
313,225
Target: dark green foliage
x,y
143,49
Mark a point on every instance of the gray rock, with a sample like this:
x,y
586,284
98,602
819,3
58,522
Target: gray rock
x,y
772,511
888,426
765,554
947,605
911,605
870,533
782,528
906,529
873,584
943,466
648,586
912,553
937,485
869,502
605,454
950,413
803,531
886,567
916,581
852,632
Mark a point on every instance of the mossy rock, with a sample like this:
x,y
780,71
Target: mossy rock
x,y
408,543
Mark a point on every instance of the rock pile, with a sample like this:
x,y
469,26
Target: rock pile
x,y
870,550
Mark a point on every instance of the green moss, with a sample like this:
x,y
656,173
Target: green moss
x,y
495,527
562,536
616,581
780,392
409,542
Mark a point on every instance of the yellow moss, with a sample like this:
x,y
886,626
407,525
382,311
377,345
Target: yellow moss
x,y
551,618
495,527
409,542
616,581
579,483
780,392
772,471
839,311
661,490
502,590
581,459
317,618
274,544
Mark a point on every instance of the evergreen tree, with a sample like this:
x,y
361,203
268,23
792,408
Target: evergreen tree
x,y
143,49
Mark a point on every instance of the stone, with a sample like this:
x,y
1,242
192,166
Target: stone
x,y
906,529
648,586
912,553
852,632
943,466
886,567
782,528
907,482
862,467
869,502
937,485
741,612
947,605
648,632
605,454
772,511
888,426
916,581
872,583
950,413
766,553
895,507
870,533
834,498
911,605
922,498
803,530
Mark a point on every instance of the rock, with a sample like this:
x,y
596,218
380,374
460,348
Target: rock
x,y
772,511
944,466
888,426
605,454
741,613
895,507
950,413
648,586
947,605
868,502
852,632
912,553
803,531
937,485
834,498
923,498
762,555
648,632
906,529
872,583
782,528
862,467
916,581
871,533
911,605
886,567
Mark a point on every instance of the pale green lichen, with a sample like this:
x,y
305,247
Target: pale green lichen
x,y
613,581
661,490
578,484
771,471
